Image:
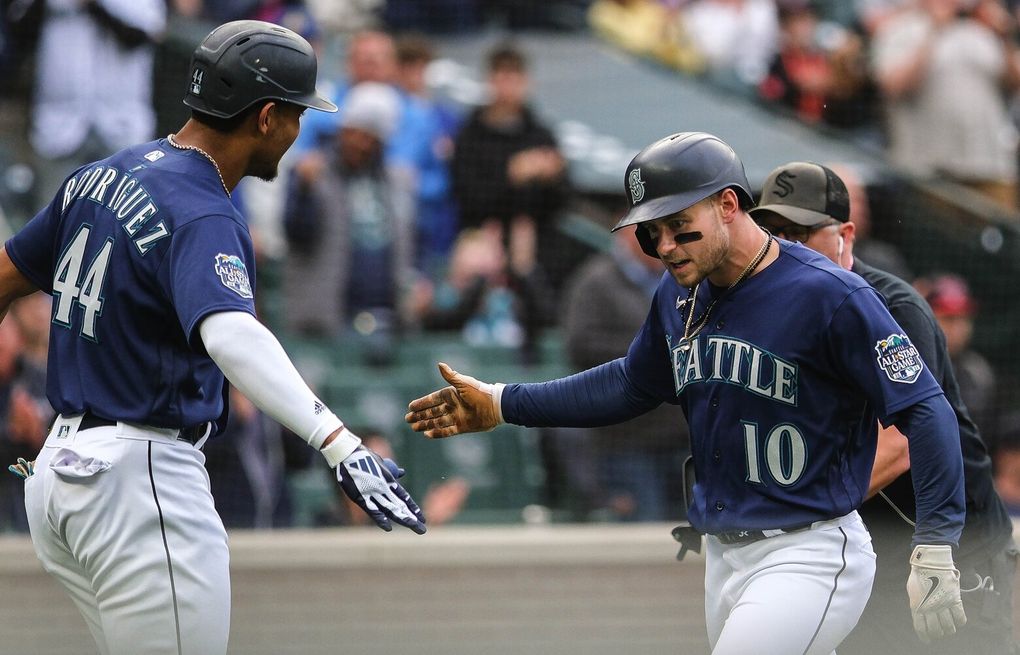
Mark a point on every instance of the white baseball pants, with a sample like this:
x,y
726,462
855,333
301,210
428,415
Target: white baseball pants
x,y
122,517
793,594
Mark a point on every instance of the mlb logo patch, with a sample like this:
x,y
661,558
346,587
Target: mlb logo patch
x,y
899,358
155,155
233,274
63,432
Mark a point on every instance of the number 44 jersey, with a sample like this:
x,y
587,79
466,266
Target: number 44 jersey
x,y
782,389
136,250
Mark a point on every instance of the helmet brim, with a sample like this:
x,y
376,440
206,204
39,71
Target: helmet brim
x,y
798,215
314,101
658,208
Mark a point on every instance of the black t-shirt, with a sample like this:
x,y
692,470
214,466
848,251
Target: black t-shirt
x,y
988,525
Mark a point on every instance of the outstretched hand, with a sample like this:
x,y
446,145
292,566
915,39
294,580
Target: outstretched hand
x,y
466,406
371,482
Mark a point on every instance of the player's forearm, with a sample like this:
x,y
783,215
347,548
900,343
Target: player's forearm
x,y
255,362
937,469
892,459
599,396
13,284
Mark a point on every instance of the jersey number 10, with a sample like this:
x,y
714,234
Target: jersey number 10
x,y
69,285
784,453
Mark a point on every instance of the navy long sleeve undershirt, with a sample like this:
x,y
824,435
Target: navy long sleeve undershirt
x,y
602,395
936,464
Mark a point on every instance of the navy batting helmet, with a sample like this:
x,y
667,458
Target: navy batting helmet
x,y
676,172
245,61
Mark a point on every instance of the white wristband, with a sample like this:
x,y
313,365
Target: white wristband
x,y
497,400
340,448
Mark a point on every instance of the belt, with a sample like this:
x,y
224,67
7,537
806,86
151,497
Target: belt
x,y
192,435
749,536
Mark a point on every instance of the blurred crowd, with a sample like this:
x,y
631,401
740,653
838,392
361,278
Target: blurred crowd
x,y
410,212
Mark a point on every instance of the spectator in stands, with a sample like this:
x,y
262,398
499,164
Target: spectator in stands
x,y
737,38
639,462
426,145
648,28
508,173
351,231
877,253
481,297
800,75
248,466
371,57
943,74
819,72
954,308
93,84
25,415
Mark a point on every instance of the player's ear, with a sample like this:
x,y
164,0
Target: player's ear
x,y
729,204
265,118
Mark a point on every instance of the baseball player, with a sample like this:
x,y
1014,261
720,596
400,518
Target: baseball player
x,y
781,392
809,203
151,272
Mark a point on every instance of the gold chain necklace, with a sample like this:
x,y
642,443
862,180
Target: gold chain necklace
x,y
692,295
170,139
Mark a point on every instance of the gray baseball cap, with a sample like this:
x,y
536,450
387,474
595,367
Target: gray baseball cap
x,y
805,193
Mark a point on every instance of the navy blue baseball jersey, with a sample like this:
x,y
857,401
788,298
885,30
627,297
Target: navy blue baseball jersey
x,y
781,390
134,265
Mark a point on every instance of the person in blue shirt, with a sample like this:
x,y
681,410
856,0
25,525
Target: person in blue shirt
x,y
783,364
151,270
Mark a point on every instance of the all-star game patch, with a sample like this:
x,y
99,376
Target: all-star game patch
x,y
233,274
899,358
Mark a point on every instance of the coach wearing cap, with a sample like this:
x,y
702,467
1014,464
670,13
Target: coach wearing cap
x,y
808,203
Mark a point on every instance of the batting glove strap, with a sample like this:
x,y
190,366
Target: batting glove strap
x,y
340,448
934,591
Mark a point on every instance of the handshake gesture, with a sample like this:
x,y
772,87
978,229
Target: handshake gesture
x,y
467,405
934,591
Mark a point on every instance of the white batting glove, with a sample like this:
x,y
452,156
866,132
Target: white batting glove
x,y
934,591
371,482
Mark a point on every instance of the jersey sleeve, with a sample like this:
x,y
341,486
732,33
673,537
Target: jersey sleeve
x,y
34,247
211,269
648,363
872,350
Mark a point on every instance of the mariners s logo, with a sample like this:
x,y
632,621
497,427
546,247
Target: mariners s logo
x,y
233,274
899,358
637,186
